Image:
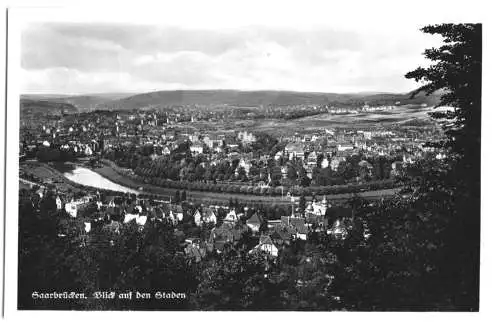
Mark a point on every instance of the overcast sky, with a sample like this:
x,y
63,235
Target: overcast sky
x,y
83,58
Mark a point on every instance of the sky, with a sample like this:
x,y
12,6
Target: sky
x,y
84,58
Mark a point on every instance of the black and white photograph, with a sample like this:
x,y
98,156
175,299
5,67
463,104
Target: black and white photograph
x,y
181,166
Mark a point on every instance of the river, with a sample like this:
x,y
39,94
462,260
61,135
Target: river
x,y
87,177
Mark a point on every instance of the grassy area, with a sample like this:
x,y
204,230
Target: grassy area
x,y
48,175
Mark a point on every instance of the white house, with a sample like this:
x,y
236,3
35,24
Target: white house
x,y
284,172
246,137
74,206
335,162
196,148
295,150
209,215
176,213
231,216
266,245
197,218
325,163
58,203
88,150
342,148
139,219
206,215
254,222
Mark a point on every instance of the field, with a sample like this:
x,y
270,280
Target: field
x,y
400,116
47,174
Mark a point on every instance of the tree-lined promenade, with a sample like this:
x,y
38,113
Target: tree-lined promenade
x,y
223,192
118,175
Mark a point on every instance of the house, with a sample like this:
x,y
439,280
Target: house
x,y
254,222
273,223
339,230
197,218
196,148
246,137
266,245
88,150
440,156
238,230
165,151
325,163
282,235
335,162
110,202
139,219
40,192
302,231
367,166
209,215
312,159
220,236
113,227
408,159
195,251
320,206
397,167
59,204
176,213
231,217
295,150
284,172
206,215
296,222
343,147
74,207
245,164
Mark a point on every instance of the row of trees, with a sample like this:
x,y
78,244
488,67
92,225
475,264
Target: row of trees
x,y
265,190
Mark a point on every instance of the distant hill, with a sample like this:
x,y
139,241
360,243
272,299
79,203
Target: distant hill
x,y
84,103
256,98
385,99
81,102
45,107
213,97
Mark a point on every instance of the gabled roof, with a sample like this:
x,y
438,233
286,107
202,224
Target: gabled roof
x,y
219,245
302,229
265,240
297,221
295,147
231,216
276,236
177,208
207,212
255,219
